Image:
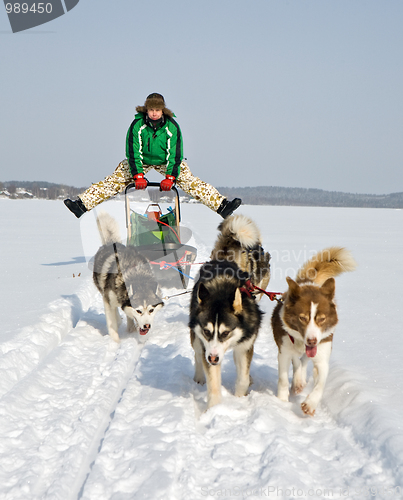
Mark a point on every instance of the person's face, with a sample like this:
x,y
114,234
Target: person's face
x,y
154,114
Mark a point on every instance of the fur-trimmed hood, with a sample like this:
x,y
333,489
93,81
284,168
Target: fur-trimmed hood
x,y
166,111
155,101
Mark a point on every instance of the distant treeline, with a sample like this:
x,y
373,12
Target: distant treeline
x,y
263,195
43,190
272,195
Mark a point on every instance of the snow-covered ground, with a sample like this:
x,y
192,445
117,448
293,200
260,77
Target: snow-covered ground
x,y
83,417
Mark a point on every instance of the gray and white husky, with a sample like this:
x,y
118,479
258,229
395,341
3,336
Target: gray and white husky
x,y
125,279
224,314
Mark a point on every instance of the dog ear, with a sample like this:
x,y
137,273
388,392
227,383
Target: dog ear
x,y
202,293
328,288
237,304
293,289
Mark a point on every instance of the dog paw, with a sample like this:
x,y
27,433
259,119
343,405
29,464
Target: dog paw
x,y
239,393
241,389
213,400
115,336
131,327
283,395
308,409
298,387
199,380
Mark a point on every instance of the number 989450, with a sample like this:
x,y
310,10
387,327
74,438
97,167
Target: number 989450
x,y
24,8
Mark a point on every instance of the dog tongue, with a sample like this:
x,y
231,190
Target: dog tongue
x,y
143,332
311,351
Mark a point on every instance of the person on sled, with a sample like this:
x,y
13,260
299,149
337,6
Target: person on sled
x,y
153,141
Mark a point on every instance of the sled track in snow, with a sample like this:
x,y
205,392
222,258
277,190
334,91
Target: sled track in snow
x,y
83,417
55,410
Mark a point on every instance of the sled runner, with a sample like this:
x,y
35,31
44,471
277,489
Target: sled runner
x,y
157,236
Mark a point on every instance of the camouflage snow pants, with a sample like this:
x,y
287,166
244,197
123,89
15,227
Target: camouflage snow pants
x,y
121,177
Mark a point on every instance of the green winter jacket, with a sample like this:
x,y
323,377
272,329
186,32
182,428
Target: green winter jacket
x,y
144,146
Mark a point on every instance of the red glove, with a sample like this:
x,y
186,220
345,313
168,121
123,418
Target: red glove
x,y
167,183
140,181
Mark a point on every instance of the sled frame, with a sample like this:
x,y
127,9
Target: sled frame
x,y
152,184
177,220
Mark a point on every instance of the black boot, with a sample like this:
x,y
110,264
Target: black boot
x,y
227,207
77,207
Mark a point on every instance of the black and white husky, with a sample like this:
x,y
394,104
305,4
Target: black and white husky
x,y
223,312
125,279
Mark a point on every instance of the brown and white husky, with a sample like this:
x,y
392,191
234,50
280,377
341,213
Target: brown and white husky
x,y
304,323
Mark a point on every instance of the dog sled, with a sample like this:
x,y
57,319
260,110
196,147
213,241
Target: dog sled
x,y
158,235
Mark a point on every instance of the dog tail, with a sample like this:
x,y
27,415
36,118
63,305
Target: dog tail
x,y
108,228
241,229
328,263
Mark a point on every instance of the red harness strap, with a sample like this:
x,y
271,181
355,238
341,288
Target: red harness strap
x,y
165,265
249,288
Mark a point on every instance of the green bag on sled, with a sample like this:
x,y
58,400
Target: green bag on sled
x,y
146,231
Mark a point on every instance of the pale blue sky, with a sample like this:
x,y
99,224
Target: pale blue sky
x,y
300,93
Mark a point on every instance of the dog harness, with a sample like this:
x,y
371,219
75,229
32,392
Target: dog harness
x,y
250,289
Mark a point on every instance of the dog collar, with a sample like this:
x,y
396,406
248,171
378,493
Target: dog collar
x,y
248,288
